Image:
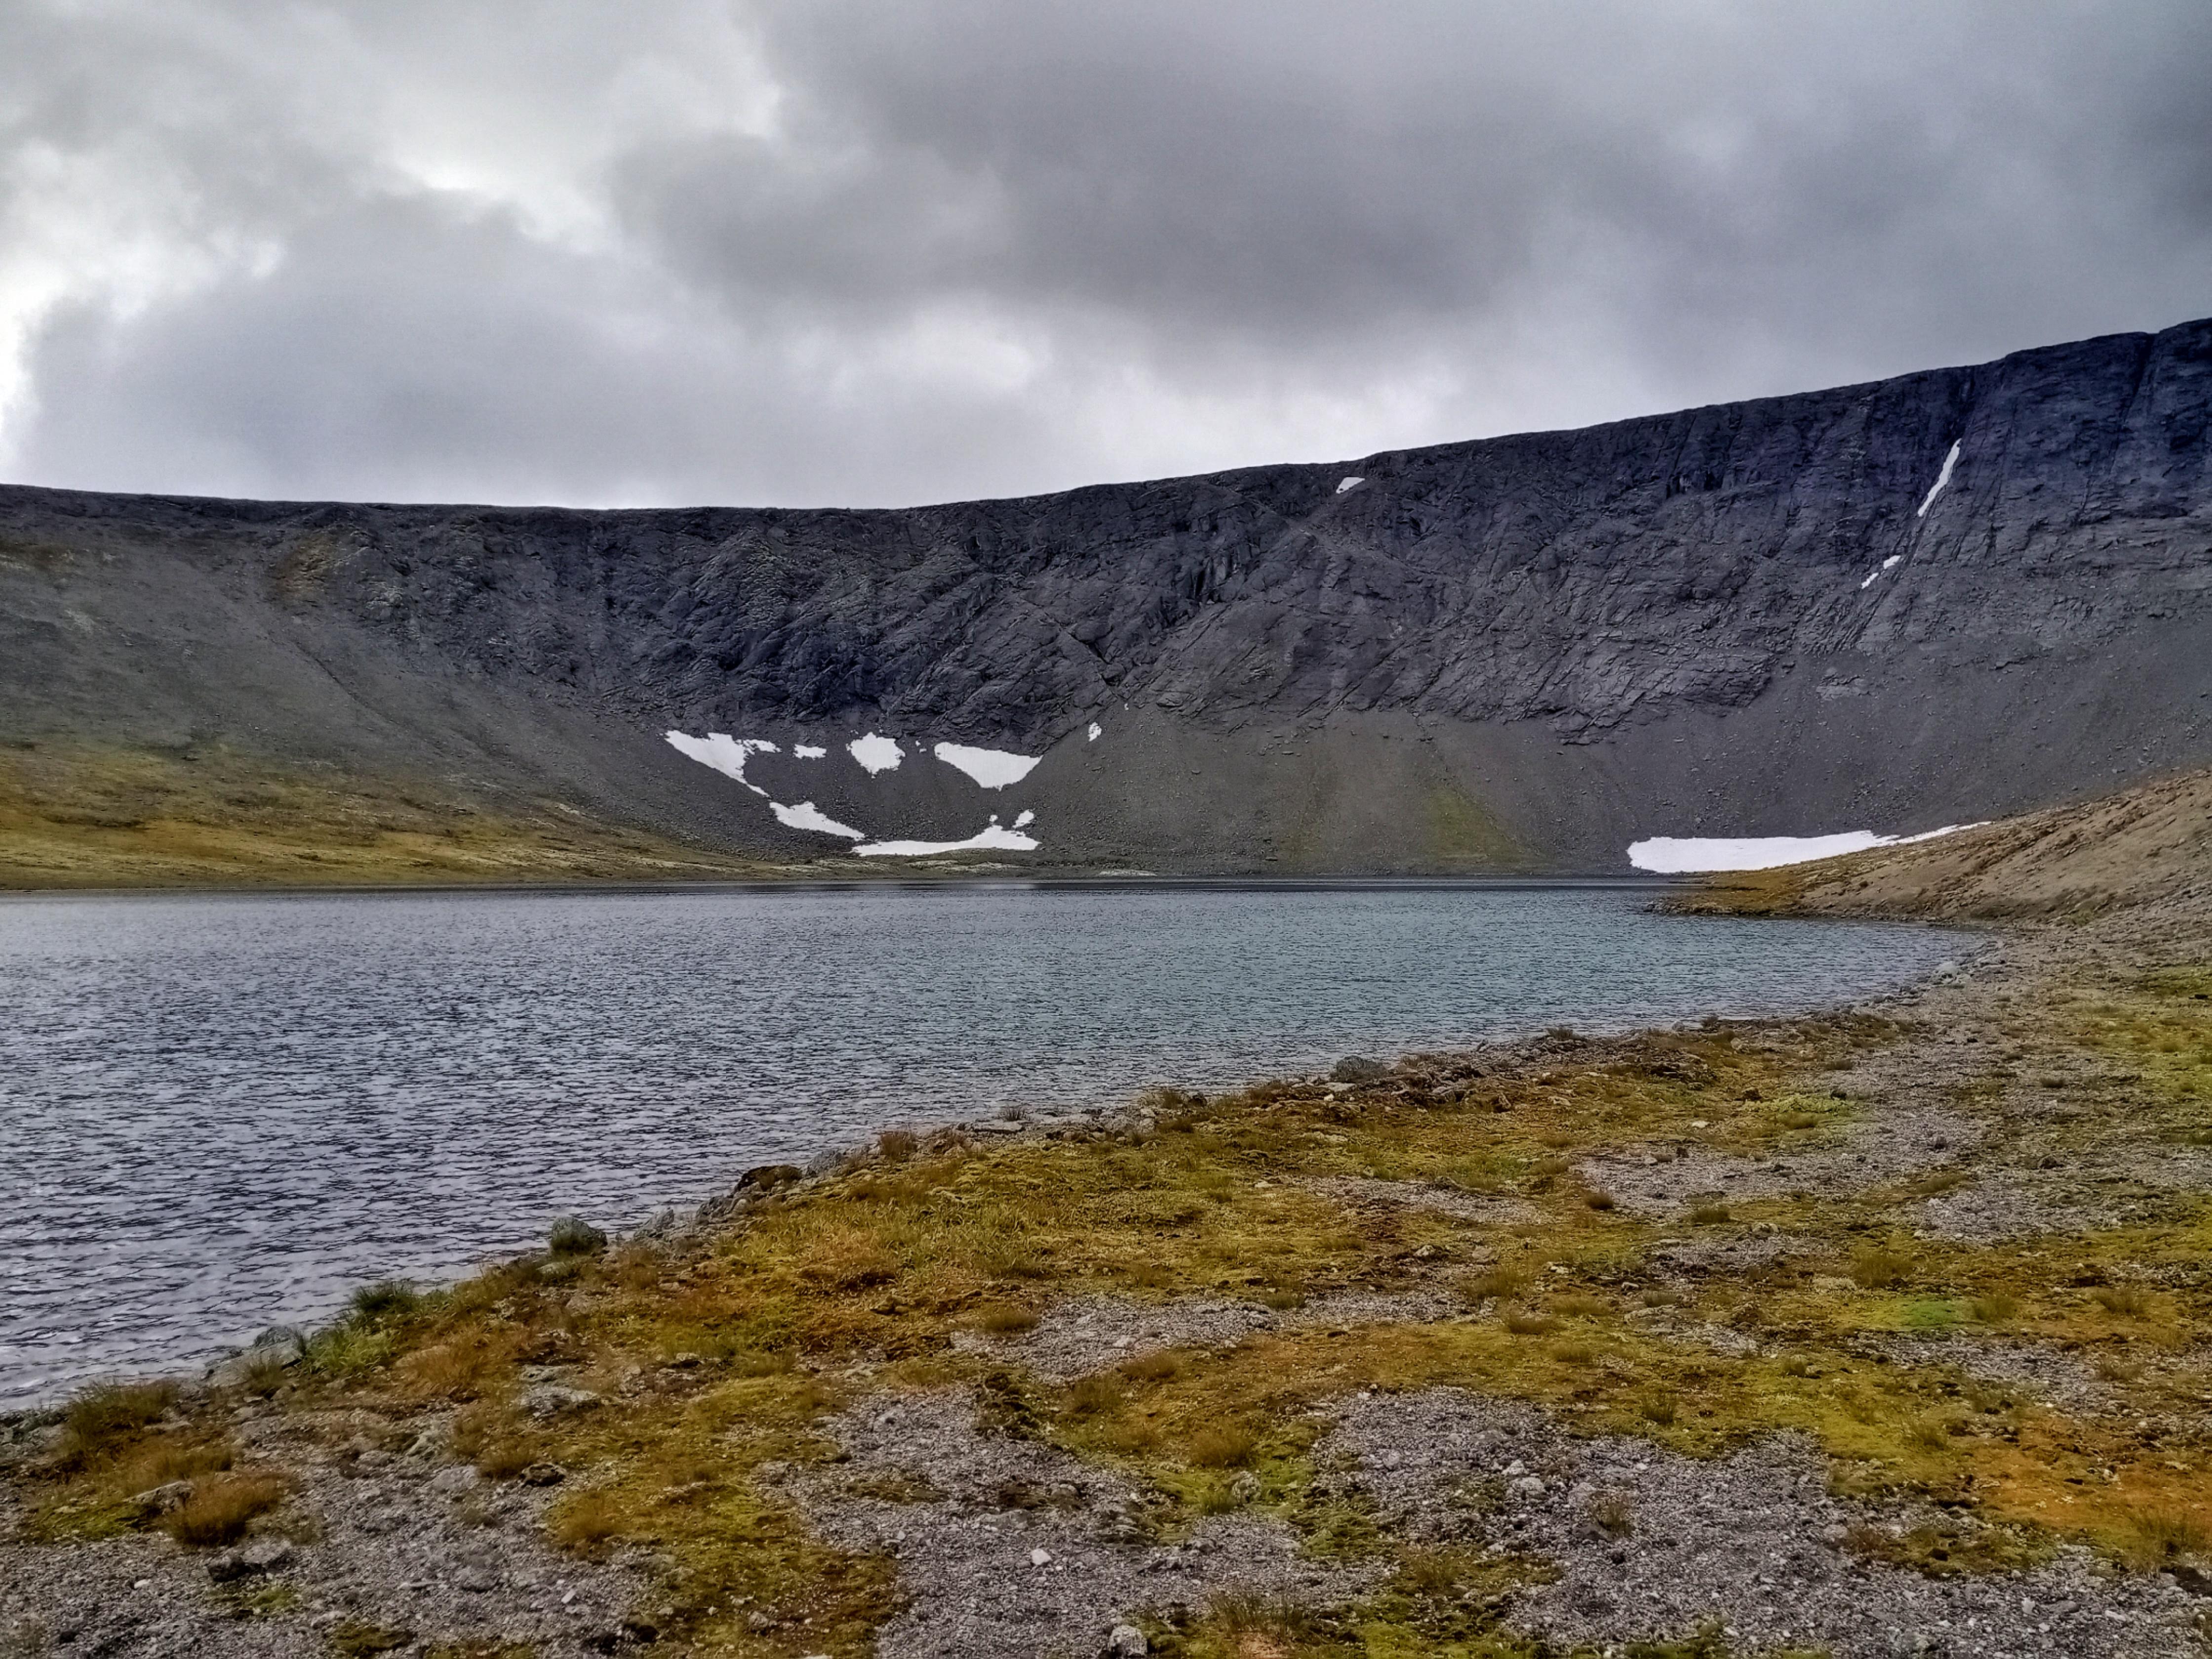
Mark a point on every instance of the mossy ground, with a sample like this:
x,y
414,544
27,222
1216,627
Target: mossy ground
x,y
73,815
725,1348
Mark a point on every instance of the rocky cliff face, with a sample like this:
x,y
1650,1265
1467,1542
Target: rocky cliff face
x,y
1954,594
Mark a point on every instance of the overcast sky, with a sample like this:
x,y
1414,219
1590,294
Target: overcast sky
x,y
685,251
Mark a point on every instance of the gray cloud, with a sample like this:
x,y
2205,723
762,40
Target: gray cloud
x,y
827,251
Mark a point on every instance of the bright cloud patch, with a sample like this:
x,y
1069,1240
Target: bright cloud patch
x,y
809,750
726,754
993,835
1668,855
995,768
1941,478
876,754
807,816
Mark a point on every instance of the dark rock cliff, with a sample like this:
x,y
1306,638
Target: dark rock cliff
x,y
1522,651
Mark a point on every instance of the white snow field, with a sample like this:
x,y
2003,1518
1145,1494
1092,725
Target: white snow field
x,y
993,834
1349,484
726,754
807,816
1670,855
995,768
876,754
1941,478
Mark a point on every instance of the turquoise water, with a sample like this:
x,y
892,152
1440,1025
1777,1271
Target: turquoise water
x,y
220,1113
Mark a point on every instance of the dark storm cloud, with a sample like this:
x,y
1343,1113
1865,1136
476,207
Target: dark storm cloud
x,y
827,251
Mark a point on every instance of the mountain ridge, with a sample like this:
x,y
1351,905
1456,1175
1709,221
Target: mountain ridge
x,y
1519,652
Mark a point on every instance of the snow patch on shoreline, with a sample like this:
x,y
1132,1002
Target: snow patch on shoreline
x,y
995,768
1669,856
807,816
726,754
809,750
993,835
876,754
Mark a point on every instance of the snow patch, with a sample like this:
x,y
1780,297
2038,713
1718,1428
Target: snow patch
x,y
1889,563
995,768
875,753
1668,855
991,835
1941,478
1349,484
809,750
1092,736
807,816
1026,819
726,754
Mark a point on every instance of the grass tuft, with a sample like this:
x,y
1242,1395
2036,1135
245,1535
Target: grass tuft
x,y
1221,1446
1615,1512
106,1415
1156,1367
1875,1268
220,1508
1995,1309
2158,1537
1659,1408
586,1521
386,1299
1095,1395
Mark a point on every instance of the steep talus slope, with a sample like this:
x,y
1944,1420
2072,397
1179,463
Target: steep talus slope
x,y
1522,653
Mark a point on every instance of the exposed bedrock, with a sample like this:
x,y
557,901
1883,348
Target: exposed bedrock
x,y
1759,619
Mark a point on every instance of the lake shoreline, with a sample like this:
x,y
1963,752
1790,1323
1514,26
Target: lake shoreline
x,y
1854,1331
1145,1481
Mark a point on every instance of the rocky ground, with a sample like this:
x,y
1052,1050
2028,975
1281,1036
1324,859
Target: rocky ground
x,y
1885,1333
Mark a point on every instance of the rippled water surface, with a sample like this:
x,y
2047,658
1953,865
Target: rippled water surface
x,y
219,1113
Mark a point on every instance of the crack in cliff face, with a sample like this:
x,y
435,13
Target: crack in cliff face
x,y
1681,567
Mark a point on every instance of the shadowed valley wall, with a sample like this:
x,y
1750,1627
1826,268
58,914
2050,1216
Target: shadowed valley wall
x,y
1517,654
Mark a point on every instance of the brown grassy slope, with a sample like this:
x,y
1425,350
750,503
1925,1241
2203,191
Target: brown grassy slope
x,y
2148,845
75,816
